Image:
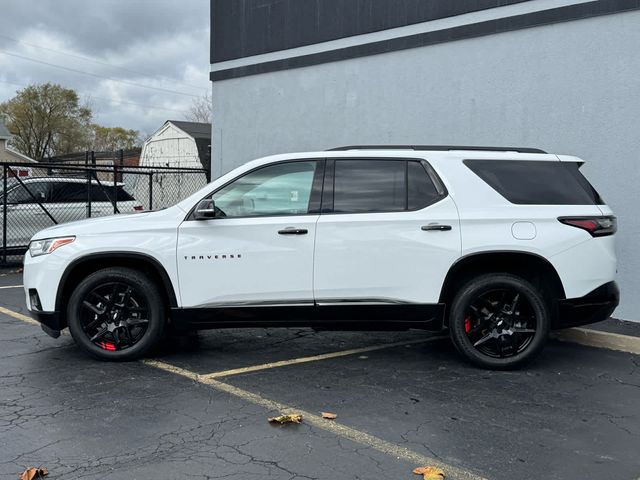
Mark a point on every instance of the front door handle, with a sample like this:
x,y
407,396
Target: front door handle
x,y
293,231
434,227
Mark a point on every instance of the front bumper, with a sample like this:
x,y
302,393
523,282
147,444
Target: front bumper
x,y
595,306
49,321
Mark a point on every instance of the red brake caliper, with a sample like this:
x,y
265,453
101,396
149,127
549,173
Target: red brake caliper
x,y
467,324
108,346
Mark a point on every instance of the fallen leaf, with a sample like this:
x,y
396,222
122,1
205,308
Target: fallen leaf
x,y
329,415
284,419
429,473
34,473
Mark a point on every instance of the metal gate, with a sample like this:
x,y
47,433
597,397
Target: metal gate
x,y
35,196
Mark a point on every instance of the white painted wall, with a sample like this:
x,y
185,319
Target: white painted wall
x,y
569,88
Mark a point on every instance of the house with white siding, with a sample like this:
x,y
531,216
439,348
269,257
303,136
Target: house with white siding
x,y
178,145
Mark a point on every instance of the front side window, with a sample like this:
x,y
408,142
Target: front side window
x,y
279,189
25,193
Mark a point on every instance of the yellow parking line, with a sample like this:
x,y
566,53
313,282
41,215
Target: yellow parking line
x,y
11,286
19,316
315,358
332,426
596,338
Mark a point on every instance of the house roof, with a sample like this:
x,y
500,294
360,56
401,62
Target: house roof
x,y
201,133
196,130
5,133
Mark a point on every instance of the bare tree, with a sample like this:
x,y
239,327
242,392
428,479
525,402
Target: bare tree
x,y
201,109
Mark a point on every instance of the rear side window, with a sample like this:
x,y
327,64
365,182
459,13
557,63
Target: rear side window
x,y
106,193
536,183
366,186
369,186
68,192
421,190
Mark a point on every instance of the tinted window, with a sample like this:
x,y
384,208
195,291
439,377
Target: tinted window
x,y
369,186
68,192
106,193
536,183
25,193
281,189
422,191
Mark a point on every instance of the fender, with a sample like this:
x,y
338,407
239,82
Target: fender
x,y
141,258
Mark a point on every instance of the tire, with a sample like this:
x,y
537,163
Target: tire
x,y
491,334
122,309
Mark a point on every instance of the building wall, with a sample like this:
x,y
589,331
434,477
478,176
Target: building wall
x,y
569,87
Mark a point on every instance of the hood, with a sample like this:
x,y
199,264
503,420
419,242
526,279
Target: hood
x,y
114,224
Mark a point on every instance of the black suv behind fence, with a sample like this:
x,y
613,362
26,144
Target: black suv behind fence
x,y
38,195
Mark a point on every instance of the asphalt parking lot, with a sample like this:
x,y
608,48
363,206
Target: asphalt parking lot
x,y
405,399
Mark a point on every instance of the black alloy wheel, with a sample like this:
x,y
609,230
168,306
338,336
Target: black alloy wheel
x,y
116,314
499,321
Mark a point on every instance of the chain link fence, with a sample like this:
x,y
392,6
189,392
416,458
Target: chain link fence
x,y
38,195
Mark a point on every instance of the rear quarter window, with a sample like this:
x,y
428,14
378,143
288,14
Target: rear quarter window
x,y
536,183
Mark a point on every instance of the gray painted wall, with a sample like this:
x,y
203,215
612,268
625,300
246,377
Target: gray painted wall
x,y
569,88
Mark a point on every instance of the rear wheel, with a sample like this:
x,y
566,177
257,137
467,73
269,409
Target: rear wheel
x,y
499,321
116,314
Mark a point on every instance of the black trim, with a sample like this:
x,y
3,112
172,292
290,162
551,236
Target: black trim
x,y
50,322
465,260
595,306
112,256
355,315
490,27
437,148
242,28
329,183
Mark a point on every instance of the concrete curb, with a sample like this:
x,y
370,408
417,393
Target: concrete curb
x,y
599,339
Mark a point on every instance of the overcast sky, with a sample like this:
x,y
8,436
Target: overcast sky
x,y
162,44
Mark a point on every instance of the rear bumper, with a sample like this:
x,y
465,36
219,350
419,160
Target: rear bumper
x,y
49,321
595,306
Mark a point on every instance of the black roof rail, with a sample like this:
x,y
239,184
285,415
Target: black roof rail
x,y
437,148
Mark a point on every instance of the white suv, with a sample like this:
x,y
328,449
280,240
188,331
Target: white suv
x,y
499,245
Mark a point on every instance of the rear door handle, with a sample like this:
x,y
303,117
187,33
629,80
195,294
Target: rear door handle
x,y
293,231
436,228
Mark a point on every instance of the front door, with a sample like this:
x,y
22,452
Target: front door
x,y
389,235
258,251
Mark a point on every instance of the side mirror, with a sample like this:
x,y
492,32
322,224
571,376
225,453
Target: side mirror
x,y
206,210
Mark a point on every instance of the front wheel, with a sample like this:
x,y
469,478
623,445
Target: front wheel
x,y
116,314
499,321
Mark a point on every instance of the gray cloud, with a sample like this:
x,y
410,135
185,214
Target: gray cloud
x,y
160,43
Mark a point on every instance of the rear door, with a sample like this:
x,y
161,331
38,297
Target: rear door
x,y
388,233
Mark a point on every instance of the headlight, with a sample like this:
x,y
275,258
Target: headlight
x,y
48,245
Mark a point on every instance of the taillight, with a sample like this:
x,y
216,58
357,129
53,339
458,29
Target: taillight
x,y
138,208
596,226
